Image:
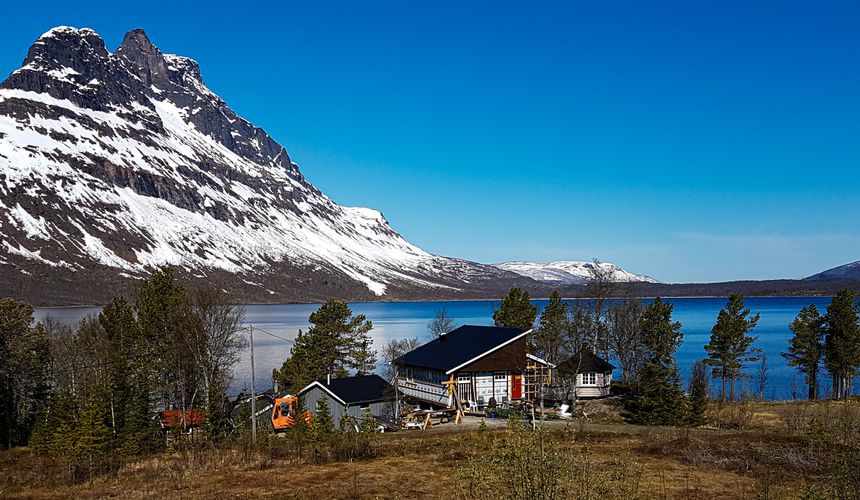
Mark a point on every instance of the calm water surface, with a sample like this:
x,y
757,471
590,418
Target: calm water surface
x,y
395,320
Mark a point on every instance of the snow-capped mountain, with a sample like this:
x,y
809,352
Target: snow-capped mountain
x,y
570,272
111,163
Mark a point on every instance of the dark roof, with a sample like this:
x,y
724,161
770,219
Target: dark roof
x,y
459,346
589,363
355,390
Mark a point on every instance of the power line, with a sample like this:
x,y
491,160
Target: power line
x,y
258,329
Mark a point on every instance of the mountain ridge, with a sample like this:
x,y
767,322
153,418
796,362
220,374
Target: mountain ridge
x,y
571,272
850,271
124,161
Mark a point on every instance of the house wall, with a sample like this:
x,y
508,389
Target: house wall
x,y
511,358
314,394
598,390
483,385
480,383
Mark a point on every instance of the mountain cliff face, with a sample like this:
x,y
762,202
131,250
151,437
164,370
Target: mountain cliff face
x,y
111,163
571,272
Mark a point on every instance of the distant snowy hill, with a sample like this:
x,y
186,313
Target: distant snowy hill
x,y
845,272
111,163
569,272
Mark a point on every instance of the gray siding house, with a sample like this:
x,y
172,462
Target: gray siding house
x,y
351,396
585,375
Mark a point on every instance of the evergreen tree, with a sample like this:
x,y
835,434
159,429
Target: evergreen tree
x,y
141,432
123,351
24,371
548,340
806,347
61,427
323,422
164,318
730,345
516,311
699,393
842,341
656,397
336,343
46,437
94,444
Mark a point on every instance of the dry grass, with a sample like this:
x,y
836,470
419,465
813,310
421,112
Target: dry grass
x,y
775,455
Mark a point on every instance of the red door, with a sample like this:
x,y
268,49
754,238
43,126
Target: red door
x,y
516,386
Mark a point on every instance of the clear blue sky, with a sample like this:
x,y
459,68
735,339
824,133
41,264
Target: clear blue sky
x,y
687,141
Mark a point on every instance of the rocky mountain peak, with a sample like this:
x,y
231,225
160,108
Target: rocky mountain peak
x,y
143,58
68,47
113,163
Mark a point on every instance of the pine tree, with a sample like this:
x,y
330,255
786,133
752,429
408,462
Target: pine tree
x,y
656,398
24,371
140,435
699,393
323,423
842,341
516,311
548,339
122,352
93,447
805,348
730,345
336,343
164,318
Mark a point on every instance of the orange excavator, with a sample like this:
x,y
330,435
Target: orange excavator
x,y
283,413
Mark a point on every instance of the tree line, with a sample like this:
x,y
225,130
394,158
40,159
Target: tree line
x,y
643,340
91,394
831,339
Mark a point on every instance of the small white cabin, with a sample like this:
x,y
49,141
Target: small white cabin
x,y
585,375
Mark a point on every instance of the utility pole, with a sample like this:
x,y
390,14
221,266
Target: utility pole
x,y
253,394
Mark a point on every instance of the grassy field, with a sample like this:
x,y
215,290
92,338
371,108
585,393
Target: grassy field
x,y
755,450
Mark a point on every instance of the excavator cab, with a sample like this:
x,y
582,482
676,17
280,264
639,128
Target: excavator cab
x,y
283,412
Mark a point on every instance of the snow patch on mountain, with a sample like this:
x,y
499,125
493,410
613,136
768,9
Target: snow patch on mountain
x,y
570,272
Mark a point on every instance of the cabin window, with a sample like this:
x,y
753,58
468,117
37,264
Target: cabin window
x,y
464,378
500,376
589,379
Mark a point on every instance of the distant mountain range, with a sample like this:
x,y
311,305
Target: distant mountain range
x,y
570,272
845,272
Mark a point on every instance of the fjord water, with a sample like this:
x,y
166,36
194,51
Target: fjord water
x,y
394,320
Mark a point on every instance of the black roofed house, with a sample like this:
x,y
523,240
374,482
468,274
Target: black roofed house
x,y
584,375
350,395
476,362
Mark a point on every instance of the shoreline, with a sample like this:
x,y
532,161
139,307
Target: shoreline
x,y
640,297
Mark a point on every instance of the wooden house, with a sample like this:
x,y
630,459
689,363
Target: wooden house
x,y
351,396
584,375
475,363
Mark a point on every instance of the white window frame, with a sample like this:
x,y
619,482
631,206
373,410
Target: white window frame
x,y
464,378
587,376
500,375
